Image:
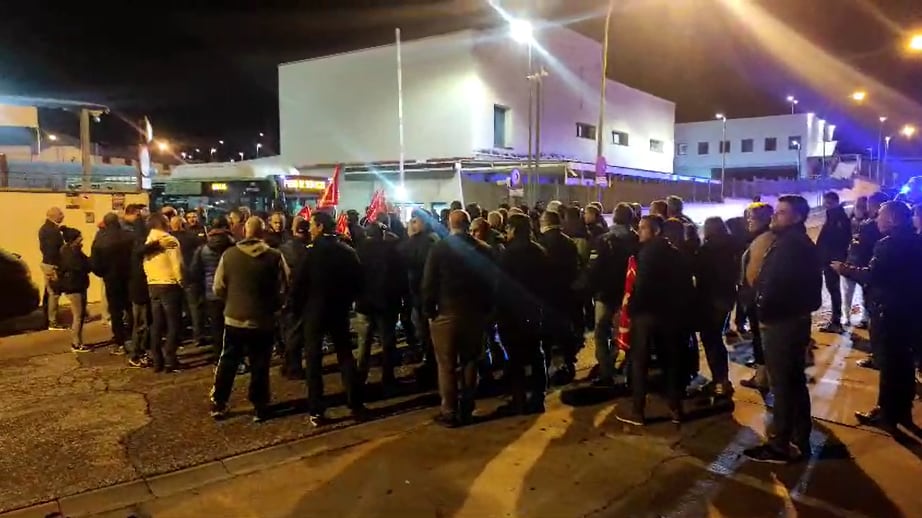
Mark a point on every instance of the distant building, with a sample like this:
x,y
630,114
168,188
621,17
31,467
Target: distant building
x,y
466,100
775,146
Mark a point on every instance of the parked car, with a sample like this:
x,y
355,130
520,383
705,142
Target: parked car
x,y
20,295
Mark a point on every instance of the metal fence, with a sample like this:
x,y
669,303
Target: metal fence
x,y
62,182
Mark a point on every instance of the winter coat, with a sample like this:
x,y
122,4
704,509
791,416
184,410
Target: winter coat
x,y
164,267
415,252
608,271
73,271
50,242
522,290
459,277
566,266
328,282
663,286
252,279
385,274
716,273
862,247
835,236
206,258
790,282
110,255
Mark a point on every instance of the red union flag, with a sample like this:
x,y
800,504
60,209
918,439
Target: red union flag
x,y
305,212
330,196
378,204
342,225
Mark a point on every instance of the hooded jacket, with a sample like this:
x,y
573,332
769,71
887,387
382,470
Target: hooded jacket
x,y
206,258
164,267
73,271
252,278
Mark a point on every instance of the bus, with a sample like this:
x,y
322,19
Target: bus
x,y
262,185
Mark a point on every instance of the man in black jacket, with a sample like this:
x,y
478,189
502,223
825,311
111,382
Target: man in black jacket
x,y
524,268
324,288
384,288
894,283
663,291
415,251
788,289
457,290
832,245
859,254
50,242
111,260
607,274
193,293
202,272
294,251
565,268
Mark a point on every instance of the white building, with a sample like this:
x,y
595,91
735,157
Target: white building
x,y
779,145
466,106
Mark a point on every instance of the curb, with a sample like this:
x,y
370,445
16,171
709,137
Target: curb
x,y
144,489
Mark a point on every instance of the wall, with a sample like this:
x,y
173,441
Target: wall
x,y
804,125
570,94
343,108
26,210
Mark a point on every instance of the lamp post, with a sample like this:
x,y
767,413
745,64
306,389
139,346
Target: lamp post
x,y
213,151
793,102
886,151
600,134
241,154
723,154
797,146
258,146
880,135
522,32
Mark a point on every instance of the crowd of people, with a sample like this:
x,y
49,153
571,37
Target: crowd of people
x,y
512,292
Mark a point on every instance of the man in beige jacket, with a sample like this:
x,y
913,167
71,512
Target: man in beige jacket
x,y
164,282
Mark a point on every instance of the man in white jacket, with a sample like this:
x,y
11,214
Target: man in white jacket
x,y
164,282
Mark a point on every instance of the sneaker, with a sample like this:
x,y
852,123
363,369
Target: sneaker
x,y
316,419
136,363
676,415
57,327
724,389
242,369
832,327
446,420
768,454
218,410
117,350
80,349
261,415
630,417
867,363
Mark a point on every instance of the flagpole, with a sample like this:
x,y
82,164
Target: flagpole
x,y
400,109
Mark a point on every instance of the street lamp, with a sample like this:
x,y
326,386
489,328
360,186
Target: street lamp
x,y
522,31
213,151
915,43
183,155
258,145
880,133
793,101
52,137
908,131
241,154
796,144
859,95
221,142
261,134
197,150
723,153
163,146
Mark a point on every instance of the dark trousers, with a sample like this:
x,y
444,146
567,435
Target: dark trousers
x,y
240,343
758,355
423,336
294,341
406,322
458,342
648,334
119,309
194,302
834,287
559,334
897,383
214,310
523,346
140,330
384,323
337,326
166,310
712,325
785,343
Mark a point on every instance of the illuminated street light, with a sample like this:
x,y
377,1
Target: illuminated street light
x,y
261,134
521,31
915,43
908,131
859,95
183,155
241,154
221,142
213,151
258,145
163,146
793,102
52,137
197,150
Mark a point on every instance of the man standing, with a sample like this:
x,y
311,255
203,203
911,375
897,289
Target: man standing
x,y
202,272
111,260
759,218
137,287
50,242
252,278
675,207
859,254
524,268
277,234
193,294
788,289
164,281
832,245
565,269
415,251
457,291
894,283
294,251
323,291
607,274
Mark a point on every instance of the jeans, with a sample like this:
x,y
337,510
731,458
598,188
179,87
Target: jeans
x,y
423,335
458,342
166,309
894,356
240,343
715,350
50,301
384,323
648,334
77,303
337,326
785,343
834,287
140,330
604,345
119,305
523,345
215,312
406,321
850,286
294,342
194,304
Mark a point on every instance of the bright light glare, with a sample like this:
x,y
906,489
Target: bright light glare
x,y
52,137
401,193
214,150
915,43
882,119
720,117
908,131
791,99
163,146
521,31
859,95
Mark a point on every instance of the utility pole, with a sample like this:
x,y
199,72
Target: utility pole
x,y
600,134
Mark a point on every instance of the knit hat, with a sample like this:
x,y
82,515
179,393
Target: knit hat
x,y
553,206
69,234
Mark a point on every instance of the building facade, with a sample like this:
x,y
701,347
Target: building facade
x,y
795,145
466,107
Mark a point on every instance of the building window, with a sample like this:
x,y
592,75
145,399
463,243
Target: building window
x,y
724,146
619,138
500,126
794,142
656,146
771,144
586,131
746,145
703,148
681,149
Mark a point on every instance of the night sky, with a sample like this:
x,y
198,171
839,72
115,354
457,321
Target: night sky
x,y
208,73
